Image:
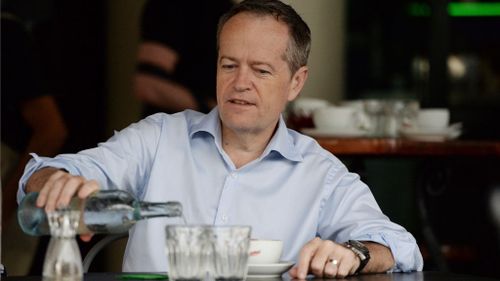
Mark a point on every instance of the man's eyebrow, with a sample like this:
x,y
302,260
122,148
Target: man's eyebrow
x,y
227,58
262,63
255,62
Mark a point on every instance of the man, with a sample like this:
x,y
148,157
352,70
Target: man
x,y
239,164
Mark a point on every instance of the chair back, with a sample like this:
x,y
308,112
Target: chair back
x,y
92,253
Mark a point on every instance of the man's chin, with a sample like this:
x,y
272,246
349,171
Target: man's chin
x,y
242,128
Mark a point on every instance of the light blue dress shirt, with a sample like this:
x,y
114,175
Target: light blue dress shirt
x,y
294,191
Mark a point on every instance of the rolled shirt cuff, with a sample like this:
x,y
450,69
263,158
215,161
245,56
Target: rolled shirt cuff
x,y
404,248
34,164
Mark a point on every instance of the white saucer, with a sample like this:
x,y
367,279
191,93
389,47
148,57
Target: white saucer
x,y
450,133
268,270
339,133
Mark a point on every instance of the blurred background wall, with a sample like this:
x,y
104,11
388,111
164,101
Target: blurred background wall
x,y
123,38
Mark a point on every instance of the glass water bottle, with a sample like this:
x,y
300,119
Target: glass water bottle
x,y
106,211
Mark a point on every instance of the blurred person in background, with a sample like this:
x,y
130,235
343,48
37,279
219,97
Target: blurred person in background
x,y
176,56
31,121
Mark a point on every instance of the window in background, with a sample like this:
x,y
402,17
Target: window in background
x,y
443,53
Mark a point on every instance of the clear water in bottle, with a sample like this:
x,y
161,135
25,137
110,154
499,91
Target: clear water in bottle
x,y
107,211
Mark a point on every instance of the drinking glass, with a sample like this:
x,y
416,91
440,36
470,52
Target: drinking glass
x,y
374,109
188,251
230,246
62,259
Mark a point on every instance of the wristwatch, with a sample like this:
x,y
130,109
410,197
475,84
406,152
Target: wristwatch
x,y
361,252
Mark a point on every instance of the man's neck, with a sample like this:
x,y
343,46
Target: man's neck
x,y
243,148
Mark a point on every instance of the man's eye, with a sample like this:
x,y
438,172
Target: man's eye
x,y
228,66
263,71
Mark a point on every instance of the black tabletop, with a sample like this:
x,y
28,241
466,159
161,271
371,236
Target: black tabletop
x,y
414,276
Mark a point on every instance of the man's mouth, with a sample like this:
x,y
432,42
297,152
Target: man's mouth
x,y
240,102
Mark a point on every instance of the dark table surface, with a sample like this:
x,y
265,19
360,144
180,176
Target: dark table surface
x,y
414,276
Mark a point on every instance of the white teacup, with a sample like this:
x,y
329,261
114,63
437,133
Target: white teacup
x,y
433,119
337,118
265,251
306,106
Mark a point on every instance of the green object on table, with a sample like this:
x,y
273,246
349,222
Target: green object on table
x,y
143,276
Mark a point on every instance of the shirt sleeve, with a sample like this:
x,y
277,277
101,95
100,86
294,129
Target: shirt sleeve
x,y
122,162
351,212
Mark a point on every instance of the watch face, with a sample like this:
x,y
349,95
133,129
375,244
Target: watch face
x,y
358,244
361,251
360,247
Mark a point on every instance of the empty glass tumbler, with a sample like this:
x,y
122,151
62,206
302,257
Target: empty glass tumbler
x,y
230,246
188,251
197,250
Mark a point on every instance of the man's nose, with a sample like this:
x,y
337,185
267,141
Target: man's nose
x,y
242,81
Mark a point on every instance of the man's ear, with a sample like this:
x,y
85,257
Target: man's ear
x,y
298,81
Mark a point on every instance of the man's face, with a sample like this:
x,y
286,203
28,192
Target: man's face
x,y
254,82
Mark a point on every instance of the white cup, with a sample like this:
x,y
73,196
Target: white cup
x,y
265,251
306,106
433,119
335,118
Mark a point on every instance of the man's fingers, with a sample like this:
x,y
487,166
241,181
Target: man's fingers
x,y
88,188
321,257
44,192
54,193
342,263
344,268
69,189
331,268
325,259
307,252
60,188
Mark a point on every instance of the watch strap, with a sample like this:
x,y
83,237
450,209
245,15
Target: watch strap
x,y
361,251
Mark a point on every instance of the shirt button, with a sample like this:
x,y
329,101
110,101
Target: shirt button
x,y
224,218
233,175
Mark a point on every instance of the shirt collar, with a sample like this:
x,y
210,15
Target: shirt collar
x,y
281,142
209,123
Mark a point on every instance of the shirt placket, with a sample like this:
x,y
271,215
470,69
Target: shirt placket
x,y
223,214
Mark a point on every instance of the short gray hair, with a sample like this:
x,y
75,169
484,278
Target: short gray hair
x,y
298,49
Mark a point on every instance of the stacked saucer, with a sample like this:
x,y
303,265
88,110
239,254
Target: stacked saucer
x,y
432,134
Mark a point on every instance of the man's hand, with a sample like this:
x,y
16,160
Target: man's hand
x,y
325,259
57,187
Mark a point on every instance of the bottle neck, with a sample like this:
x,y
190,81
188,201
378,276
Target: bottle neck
x,y
160,209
